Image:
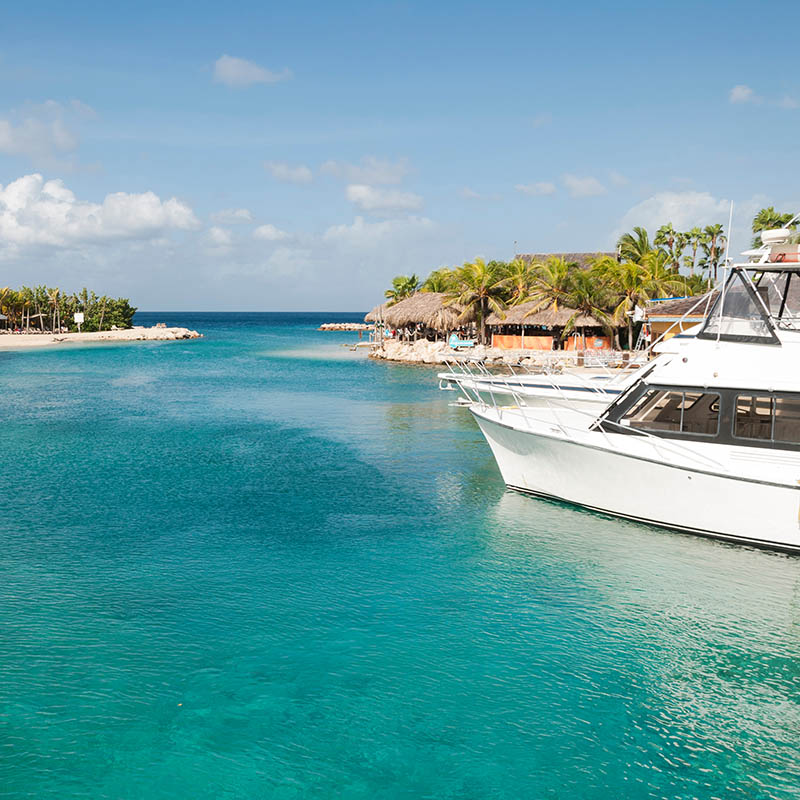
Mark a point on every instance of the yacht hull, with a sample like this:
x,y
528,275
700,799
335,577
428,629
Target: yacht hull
x,y
673,496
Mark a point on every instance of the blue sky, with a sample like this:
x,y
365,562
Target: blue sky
x,y
263,156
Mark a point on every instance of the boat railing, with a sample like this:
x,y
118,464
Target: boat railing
x,y
660,444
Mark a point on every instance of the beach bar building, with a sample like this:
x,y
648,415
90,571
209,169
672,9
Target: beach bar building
x,y
524,327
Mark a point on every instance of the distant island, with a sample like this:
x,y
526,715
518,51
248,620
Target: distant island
x,y
44,316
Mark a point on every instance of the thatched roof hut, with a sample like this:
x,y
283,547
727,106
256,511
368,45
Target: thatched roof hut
x,y
378,313
428,309
525,314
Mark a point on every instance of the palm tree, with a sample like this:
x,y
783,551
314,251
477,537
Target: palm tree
x,y
674,241
694,238
768,219
588,297
479,288
550,283
519,278
402,286
634,284
632,247
440,280
712,248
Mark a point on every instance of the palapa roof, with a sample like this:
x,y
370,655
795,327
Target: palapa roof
x,y
431,309
377,313
679,306
583,260
549,317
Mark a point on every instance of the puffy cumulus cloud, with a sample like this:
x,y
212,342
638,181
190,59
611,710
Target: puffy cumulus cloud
x,y
370,170
42,132
38,212
219,237
683,209
542,188
238,72
288,173
232,216
583,186
382,201
269,233
742,94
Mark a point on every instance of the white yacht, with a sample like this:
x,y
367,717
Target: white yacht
x,y
706,439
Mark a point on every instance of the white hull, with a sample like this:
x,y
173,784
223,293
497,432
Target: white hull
x,y
624,479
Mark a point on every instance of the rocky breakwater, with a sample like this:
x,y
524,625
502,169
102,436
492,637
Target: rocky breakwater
x,y
345,326
425,352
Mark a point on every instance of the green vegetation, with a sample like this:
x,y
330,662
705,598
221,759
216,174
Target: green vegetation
x,y
672,264
44,309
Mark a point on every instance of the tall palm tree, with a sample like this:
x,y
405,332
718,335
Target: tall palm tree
x,y
402,286
479,288
633,246
634,284
519,278
694,238
768,219
712,248
675,242
440,280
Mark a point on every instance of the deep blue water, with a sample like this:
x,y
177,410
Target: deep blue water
x,y
258,565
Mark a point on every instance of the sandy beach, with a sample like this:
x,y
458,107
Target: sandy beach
x,y
20,341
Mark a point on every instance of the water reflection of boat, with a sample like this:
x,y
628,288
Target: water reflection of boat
x,y
705,439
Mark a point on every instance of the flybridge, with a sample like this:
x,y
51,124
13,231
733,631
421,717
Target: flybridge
x,y
762,296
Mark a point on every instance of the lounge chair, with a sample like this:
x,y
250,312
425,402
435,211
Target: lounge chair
x,y
455,342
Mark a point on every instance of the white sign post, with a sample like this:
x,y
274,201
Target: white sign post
x,y
79,319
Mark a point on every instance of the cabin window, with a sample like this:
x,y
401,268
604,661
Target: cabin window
x,y
681,412
768,418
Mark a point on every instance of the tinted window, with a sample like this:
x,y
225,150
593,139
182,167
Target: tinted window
x,y
768,418
683,412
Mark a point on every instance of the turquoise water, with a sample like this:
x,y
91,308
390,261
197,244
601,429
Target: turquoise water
x,y
259,565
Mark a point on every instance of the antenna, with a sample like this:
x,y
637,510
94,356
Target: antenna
x,y
730,226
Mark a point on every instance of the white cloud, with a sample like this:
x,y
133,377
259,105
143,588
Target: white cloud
x,y
540,120
38,212
538,189
788,102
269,233
742,94
683,209
238,72
232,216
219,237
40,132
287,173
368,235
583,187
371,170
470,194
382,201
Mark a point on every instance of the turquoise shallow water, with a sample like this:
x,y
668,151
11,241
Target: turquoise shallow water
x,y
259,565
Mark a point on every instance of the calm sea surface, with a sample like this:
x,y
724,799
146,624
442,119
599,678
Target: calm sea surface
x,y
260,565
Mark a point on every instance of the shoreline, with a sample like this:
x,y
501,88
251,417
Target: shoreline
x,y
439,353
24,341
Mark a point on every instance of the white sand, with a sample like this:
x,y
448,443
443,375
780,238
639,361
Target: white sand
x,y
14,341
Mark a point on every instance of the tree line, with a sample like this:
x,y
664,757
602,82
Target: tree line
x,y
41,308
673,264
